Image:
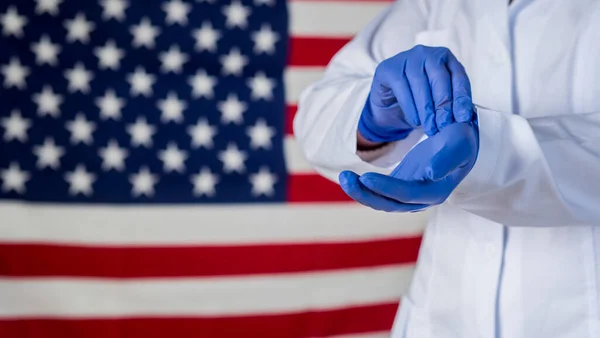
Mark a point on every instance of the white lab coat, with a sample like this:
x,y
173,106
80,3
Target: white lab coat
x,y
515,251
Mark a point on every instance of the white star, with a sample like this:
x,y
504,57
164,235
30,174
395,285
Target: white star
x,y
231,109
109,56
15,74
45,51
237,15
79,78
234,62
15,126
14,179
202,134
173,158
47,6
260,135
114,9
177,12
172,108
203,85
233,159
173,60
141,82
143,182
79,29
113,157
48,154
141,133
261,86
265,40
48,102
206,37
144,34
262,182
204,182
80,181
110,105
12,23
81,129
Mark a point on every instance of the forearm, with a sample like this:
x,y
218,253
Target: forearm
x,y
329,110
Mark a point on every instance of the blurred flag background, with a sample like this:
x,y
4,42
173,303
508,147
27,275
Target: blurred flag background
x,y
151,185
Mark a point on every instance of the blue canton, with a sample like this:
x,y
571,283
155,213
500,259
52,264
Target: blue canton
x,y
124,101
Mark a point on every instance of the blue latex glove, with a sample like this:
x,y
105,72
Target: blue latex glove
x,y
424,86
426,176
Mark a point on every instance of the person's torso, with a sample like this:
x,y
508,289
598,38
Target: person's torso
x,y
477,278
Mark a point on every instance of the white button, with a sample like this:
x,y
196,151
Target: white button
x,y
490,250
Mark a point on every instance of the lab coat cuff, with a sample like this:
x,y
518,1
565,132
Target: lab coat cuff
x,y
490,139
382,160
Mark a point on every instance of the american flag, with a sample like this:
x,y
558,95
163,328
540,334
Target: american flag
x,y
151,185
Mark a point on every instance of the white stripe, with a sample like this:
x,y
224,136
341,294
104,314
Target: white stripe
x,y
298,78
114,225
55,297
332,18
295,161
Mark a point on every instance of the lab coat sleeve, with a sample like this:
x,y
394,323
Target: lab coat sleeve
x,y
328,110
536,172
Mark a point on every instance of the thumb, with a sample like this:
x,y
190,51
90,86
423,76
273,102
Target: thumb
x,y
455,152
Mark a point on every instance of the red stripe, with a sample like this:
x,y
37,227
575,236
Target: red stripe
x,y
24,260
297,325
314,188
291,110
314,51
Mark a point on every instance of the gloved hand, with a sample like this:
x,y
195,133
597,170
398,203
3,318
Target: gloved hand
x,y
426,176
423,86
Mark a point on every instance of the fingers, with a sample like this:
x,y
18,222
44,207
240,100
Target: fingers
x,y
351,185
421,92
392,76
461,91
440,82
429,85
414,192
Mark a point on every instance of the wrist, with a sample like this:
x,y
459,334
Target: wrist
x,y
363,144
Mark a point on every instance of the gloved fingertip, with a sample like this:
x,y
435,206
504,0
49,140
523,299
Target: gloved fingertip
x,y
416,123
430,126
463,111
463,115
365,179
372,181
430,131
442,124
412,120
345,176
443,116
342,179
